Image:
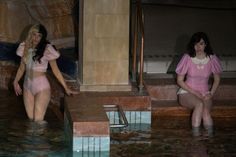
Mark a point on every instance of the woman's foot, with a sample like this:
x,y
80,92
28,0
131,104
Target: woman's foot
x,y
41,123
209,131
196,131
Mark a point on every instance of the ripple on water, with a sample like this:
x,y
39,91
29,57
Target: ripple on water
x,y
20,137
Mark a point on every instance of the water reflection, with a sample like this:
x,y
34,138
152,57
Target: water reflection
x,y
20,137
167,137
171,137
24,138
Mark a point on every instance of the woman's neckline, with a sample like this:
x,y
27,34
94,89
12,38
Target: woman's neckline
x,y
200,61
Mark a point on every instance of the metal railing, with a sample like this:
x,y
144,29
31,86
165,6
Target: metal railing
x,y
138,27
122,121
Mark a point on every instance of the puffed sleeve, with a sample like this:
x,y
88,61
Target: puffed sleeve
x,y
20,49
183,65
215,65
51,53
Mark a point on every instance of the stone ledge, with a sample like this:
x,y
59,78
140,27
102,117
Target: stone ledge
x,y
221,108
86,116
166,89
104,88
87,124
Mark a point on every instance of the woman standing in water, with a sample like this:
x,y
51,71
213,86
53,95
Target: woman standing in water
x,y
193,72
36,52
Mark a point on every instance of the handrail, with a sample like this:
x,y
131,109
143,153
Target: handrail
x,y
139,26
135,46
123,122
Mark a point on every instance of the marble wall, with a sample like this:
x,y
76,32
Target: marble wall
x,y
105,45
17,16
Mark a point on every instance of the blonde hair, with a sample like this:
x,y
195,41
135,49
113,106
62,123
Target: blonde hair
x,y
28,40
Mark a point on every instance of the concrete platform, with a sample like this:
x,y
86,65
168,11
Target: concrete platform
x,y
87,123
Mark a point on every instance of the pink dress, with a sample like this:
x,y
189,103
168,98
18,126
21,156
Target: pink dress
x,y
49,54
40,83
198,71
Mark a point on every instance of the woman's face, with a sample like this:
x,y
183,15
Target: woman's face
x,y
36,37
200,46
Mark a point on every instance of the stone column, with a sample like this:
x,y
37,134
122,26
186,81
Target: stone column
x,y
104,45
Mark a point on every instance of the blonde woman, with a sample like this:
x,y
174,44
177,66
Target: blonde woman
x,y
36,52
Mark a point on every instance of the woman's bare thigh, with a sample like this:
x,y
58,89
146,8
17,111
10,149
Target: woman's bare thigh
x,y
42,100
188,100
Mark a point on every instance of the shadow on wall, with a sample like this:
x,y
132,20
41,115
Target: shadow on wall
x,y
75,17
179,49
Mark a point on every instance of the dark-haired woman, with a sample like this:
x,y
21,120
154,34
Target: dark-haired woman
x,y
36,52
193,72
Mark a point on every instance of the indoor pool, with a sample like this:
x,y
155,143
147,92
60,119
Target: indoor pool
x,y
165,137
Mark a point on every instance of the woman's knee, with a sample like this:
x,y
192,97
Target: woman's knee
x,y
190,101
206,113
199,105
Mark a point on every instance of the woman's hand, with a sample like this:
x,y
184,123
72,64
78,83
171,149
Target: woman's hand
x,y
70,92
17,88
208,96
198,94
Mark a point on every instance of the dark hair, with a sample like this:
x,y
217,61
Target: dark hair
x,y
196,37
42,44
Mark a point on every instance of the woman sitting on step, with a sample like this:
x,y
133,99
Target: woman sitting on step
x,y
193,72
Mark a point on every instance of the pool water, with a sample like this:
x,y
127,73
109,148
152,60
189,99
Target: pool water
x,y
165,137
21,138
171,137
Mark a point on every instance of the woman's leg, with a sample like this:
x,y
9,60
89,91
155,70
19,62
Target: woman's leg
x,y
42,93
42,100
207,119
28,98
192,102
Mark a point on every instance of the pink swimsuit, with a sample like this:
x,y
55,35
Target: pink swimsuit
x,y
39,83
198,72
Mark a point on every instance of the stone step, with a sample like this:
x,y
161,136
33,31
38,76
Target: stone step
x,y
86,124
166,89
86,120
221,108
128,100
86,115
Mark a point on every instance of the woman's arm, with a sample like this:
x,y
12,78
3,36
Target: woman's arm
x,y
182,84
19,74
59,77
215,84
